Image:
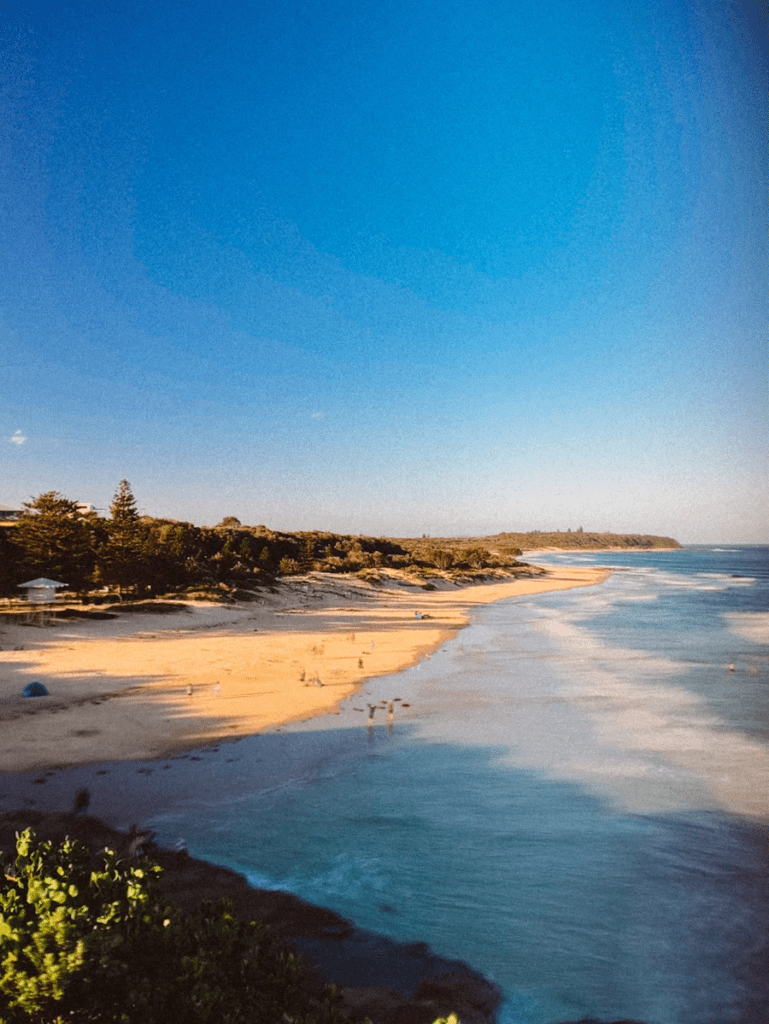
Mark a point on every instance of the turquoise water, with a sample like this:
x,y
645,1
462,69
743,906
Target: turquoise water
x,y
572,802
575,801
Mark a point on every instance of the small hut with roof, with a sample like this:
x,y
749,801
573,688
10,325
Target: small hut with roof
x,y
41,591
41,595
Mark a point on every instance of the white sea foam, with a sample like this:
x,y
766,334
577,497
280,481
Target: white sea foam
x,y
263,882
655,744
753,626
729,579
357,875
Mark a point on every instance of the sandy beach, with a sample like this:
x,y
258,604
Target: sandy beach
x,y
143,685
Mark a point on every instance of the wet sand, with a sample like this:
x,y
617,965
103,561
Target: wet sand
x,y
141,686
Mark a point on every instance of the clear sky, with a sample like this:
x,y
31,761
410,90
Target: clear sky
x,y
393,268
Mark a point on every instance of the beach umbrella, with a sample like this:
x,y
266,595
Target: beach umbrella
x,y
35,690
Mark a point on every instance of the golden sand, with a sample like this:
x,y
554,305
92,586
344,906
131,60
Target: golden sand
x,y
142,686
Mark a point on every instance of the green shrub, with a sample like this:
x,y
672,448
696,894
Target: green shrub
x,y
90,940
289,567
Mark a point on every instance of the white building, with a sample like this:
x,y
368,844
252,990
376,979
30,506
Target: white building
x,y
8,514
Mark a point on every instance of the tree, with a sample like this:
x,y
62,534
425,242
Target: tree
x,y
121,559
11,563
123,508
307,557
440,557
231,521
57,539
477,557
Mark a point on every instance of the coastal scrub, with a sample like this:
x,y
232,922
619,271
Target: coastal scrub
x,y
91,939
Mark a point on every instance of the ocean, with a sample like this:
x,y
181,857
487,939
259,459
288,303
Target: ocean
x,y
572,796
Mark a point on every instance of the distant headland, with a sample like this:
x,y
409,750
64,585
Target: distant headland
x,y
574,540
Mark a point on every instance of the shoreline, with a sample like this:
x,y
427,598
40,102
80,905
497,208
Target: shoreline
x,y
534,552
144,686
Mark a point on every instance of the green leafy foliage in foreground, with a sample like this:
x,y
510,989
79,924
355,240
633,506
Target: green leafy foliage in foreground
x,y
90,939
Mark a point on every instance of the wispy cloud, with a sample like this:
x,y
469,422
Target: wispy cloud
x,y
316,416
17,438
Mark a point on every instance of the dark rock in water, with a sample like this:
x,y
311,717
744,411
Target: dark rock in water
x,y
473,992
439,998
399,983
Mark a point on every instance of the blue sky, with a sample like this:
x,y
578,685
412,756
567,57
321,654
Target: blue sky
x,y
393,268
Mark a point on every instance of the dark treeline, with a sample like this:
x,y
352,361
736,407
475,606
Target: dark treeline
x,y
140,556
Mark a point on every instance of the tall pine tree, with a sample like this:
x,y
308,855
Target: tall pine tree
x,y
121,562
123,511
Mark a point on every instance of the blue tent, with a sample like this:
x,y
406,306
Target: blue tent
x,y
35,690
